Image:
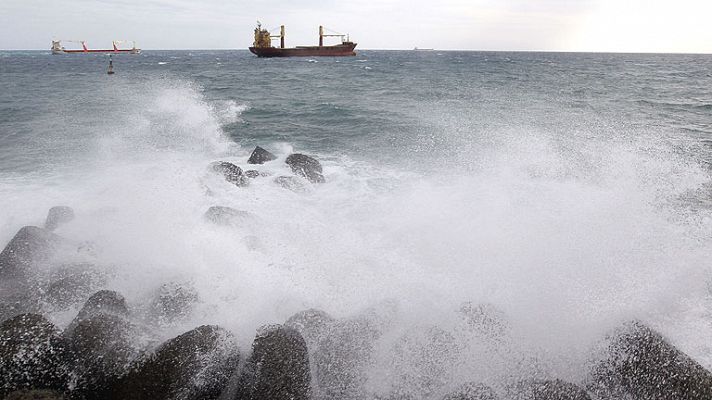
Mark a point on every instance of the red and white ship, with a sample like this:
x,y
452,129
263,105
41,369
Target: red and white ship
x,y
57,48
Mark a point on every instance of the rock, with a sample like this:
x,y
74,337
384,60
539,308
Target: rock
x,y
472,391
421,362
173,302
35,395
57,216
20,263
344,355
260,156
231,172
485,320
222,215
306,166
193,366
547,390
290,182
72,284
251,173
32,355
102,346
277,369
103,302
641,363
341,359
312,324
29,246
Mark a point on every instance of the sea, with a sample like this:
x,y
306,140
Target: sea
x,y
571,192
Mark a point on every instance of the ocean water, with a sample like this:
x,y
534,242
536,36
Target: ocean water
x,y
570,191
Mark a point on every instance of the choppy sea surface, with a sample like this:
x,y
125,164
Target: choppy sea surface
x,y
571,191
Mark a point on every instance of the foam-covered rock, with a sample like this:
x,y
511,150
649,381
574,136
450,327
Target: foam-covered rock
x,y
57,216
472,391
231,172
172,302
73,284
251,173
421,362
196,365
102,347
554,389
29,246
641,363
20,263
345,354
290,182
306,166
32,355
485,320
221,215
260,156
35,395
312,324
103,302
277,369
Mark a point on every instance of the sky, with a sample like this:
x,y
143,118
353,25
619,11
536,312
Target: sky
x,y
680,26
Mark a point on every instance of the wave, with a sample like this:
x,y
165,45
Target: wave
x,y
568,236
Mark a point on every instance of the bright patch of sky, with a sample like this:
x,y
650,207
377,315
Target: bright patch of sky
x,y
556,25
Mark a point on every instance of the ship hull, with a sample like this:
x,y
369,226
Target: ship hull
x,y
128,51
341,50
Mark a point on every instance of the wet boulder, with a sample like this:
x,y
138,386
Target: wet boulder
x,y
306,166
196,365
554,389
101,346
290,182
73,284
231,172
643,364
173,302
57,216
20,264
277,369
312,324
485,320
35,395
251,173
32,355
30,245
345,353
221,215
472,391
103,302
260,156
421,362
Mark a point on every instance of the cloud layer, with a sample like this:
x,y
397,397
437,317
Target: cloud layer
x,y
558,25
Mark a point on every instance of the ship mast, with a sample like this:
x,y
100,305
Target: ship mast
x,y
322,35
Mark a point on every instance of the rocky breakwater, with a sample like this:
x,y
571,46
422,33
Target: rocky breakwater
x,y
114,349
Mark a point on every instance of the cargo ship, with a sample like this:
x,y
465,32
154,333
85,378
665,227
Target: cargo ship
x,y
57,48
262,47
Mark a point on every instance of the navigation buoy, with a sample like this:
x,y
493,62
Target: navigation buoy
x,y
111,66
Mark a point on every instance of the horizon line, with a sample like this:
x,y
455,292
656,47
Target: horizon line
x,y
430,50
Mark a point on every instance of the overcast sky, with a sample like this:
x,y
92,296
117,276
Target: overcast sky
x,y
557,25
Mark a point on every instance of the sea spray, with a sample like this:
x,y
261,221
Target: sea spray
x,y
566,233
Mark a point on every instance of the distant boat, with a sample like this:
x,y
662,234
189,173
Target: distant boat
x,y
262,47
422,49
57,48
